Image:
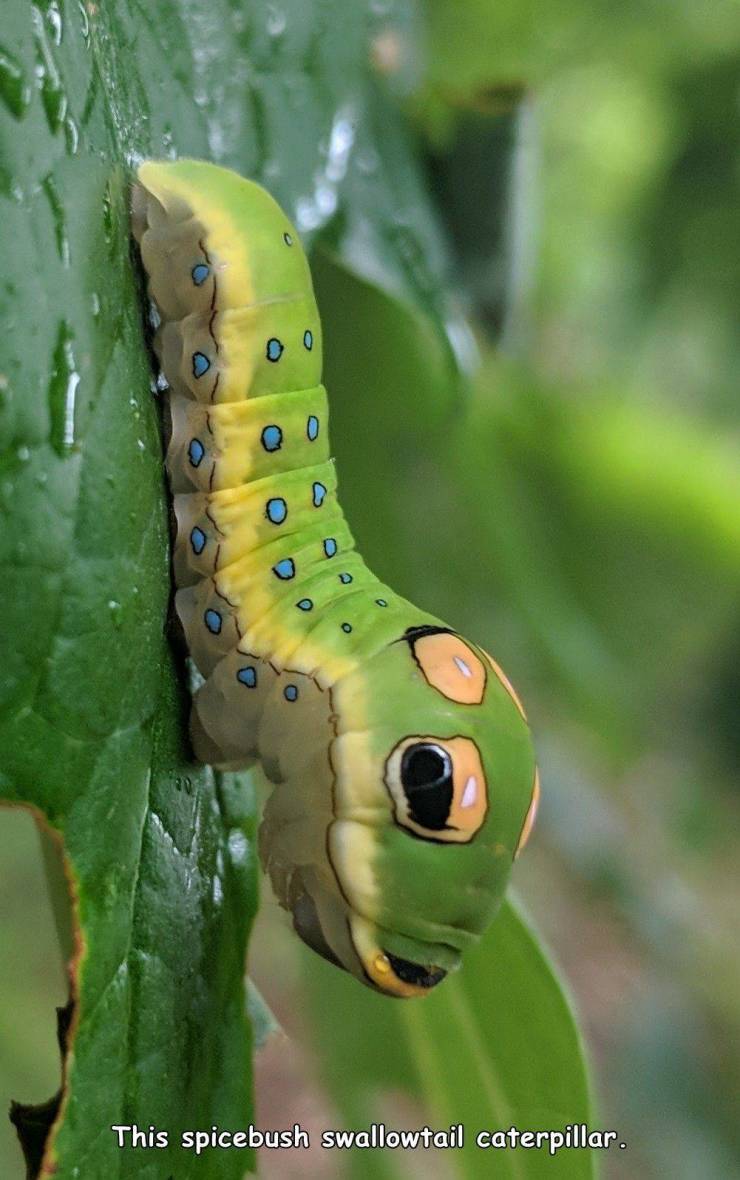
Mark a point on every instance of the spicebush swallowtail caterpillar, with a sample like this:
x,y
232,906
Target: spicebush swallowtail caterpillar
x,y
404,782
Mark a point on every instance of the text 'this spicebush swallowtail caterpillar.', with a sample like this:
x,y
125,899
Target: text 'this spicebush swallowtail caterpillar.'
x,y
404,778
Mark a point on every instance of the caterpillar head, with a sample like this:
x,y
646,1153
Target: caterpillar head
x,y
434,793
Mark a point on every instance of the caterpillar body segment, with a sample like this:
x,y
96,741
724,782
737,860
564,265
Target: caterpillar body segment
x,y
403,772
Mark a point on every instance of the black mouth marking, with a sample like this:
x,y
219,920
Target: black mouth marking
x,y
414,972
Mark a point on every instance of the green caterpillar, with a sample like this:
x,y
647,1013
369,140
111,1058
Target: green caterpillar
x,y
404,777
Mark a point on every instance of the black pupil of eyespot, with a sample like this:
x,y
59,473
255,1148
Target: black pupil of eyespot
x,y
426,777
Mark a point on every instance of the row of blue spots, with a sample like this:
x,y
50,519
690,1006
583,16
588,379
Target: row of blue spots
x,y
285,569
200,273
272,438
276,348
213,621
248,677
201,364
198,540
276,510
196,451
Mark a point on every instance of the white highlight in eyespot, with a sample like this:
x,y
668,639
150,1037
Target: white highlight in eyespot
x,y
470,794
464,668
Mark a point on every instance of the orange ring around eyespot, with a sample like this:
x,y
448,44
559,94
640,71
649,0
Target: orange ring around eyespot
x,y
531,815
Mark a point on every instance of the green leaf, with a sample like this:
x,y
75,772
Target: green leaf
x,y
158,853
496,1046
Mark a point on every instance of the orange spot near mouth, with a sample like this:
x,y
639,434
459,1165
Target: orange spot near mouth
x,y
377,965
382,966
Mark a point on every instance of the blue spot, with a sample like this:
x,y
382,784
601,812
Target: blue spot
x,y
330,546
196,451
272,438
277,510
213,621
198,540
290,692
319,491
201,364
247,676
381,602
345,579
288,239
200,273
285,569
308,339
312,428
274,349
305,604
346,627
